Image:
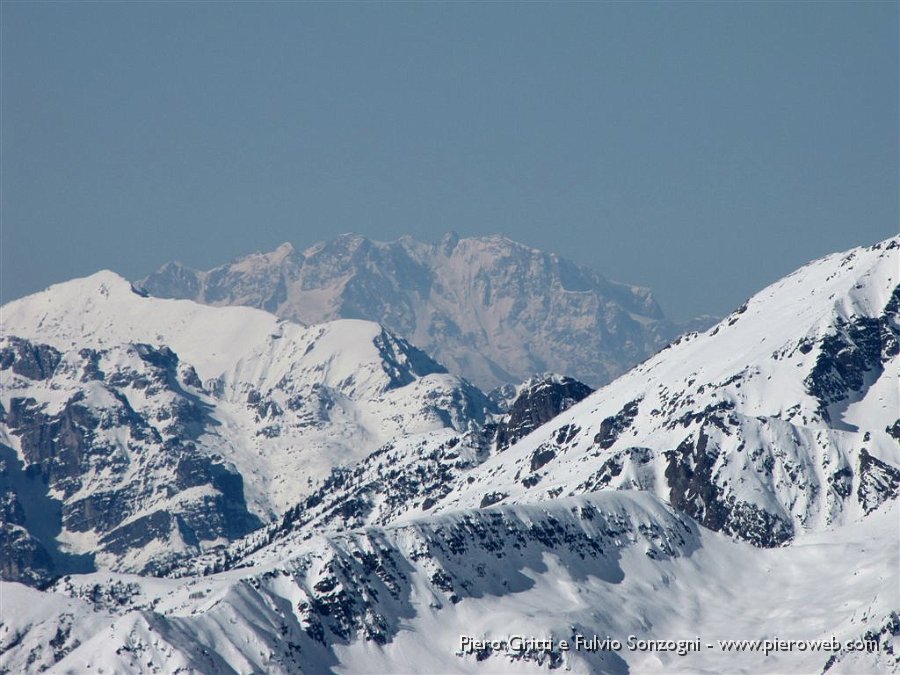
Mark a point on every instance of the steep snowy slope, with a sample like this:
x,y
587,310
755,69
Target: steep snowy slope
x,y
155,426
492,310
399,599
781,419
409,474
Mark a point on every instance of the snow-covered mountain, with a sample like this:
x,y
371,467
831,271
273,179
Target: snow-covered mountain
x,y
146,427
492,310
783,418
741,484
408,475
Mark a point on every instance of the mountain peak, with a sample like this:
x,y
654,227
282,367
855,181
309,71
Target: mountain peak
x,y
415,504
491,309
285,249
151,382
449,242
103,278
105,284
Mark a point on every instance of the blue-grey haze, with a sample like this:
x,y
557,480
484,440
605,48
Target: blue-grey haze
x,y
701,149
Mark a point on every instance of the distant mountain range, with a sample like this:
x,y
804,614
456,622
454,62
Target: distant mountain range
x,y
329,497
492,310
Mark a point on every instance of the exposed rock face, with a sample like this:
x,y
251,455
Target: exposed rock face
x,y
23,557
853,356
539,400
690,473
612,427
490,309
878,482
130,479
36,362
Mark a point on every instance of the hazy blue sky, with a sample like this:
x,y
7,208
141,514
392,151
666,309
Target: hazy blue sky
x,y
703,149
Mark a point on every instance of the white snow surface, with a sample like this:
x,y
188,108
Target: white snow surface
x,y
286,402
401,597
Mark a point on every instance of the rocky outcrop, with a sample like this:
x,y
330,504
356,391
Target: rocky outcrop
x,y
34,361
539,400
132,477
878,482
852,357
694,491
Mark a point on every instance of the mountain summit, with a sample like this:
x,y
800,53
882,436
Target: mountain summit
x,y
135,428
492,310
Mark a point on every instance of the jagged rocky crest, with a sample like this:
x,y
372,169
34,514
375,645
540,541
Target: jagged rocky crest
x,y
492,310
537,402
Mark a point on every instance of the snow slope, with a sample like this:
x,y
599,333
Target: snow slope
x,y
398,599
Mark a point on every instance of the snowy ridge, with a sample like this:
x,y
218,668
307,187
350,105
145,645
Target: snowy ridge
x,y
105,310
611,564
408,475
772,423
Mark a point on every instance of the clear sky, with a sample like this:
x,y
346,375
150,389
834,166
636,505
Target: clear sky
x,y
700,149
